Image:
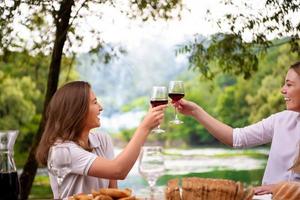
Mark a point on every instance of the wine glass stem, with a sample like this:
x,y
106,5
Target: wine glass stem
x,y
59,183
151,183
59,191
175,111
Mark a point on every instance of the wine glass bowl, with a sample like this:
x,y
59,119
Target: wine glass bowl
x,y
59,164
176,92
151,164
158,97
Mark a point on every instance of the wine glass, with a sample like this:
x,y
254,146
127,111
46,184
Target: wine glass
x,y
158,97
59,164
176,92
151,165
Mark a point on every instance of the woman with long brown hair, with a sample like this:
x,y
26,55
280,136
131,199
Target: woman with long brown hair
x,y
72,112
281,129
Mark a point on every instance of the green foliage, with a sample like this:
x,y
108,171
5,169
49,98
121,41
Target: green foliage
x,y
232,107
17,99
33,17
19,64
271,20
267,100
230,98
127,134
237,50
227,51
23,80
249,177
266,84
41,188
139,103
155,9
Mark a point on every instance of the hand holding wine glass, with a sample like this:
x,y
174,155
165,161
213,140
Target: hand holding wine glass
x,y
151,164
176,92
59,164
158,97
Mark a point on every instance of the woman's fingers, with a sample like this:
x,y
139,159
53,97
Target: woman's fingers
x,y
265,189
156,115
161,107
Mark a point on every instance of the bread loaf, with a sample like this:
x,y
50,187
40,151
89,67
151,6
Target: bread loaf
x,y
207,189
286,190
172,191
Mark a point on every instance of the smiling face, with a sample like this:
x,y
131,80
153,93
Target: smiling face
x,y
291,90
95,108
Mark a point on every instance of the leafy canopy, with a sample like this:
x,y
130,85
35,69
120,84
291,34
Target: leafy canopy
x,y
246,34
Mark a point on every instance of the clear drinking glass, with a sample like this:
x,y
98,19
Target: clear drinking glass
x,y
59,164
176,92
158,97
151,164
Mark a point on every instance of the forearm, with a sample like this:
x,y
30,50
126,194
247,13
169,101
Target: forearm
x,y
219,130
119,167
128,156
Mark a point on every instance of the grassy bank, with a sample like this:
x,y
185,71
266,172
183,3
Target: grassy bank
x,y
248,177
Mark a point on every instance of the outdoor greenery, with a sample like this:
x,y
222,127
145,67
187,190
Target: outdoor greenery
x,y
244,37
231,99
248,177
23,80
245,76
52,25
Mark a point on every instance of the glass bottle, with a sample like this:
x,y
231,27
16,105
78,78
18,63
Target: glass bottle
x,y
9,181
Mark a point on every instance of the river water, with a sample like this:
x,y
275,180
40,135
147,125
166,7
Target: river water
x,y
179,162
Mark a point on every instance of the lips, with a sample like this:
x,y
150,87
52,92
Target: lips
x,y
287,99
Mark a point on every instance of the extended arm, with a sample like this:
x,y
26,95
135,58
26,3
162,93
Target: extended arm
x,y
219,130
122,164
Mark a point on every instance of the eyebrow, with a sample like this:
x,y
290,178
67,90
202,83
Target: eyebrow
x,y
287,80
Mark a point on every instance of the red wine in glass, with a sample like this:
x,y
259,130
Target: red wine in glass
x,y
159,96
176,92
176,96
155,103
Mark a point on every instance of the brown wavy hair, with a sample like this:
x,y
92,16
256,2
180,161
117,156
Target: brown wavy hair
x,y
65,118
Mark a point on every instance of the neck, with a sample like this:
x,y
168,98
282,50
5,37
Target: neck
x,y
84,138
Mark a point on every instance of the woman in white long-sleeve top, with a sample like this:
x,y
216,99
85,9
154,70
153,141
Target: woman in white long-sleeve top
x,y
282,130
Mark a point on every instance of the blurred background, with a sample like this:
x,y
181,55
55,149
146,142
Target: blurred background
x,y
231,55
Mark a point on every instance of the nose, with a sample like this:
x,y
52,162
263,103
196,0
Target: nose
x,y
100,107
283,90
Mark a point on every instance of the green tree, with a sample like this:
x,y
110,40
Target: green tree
x,y
232,107
193,133
62,27
20,65
268,81
231,51
17,99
